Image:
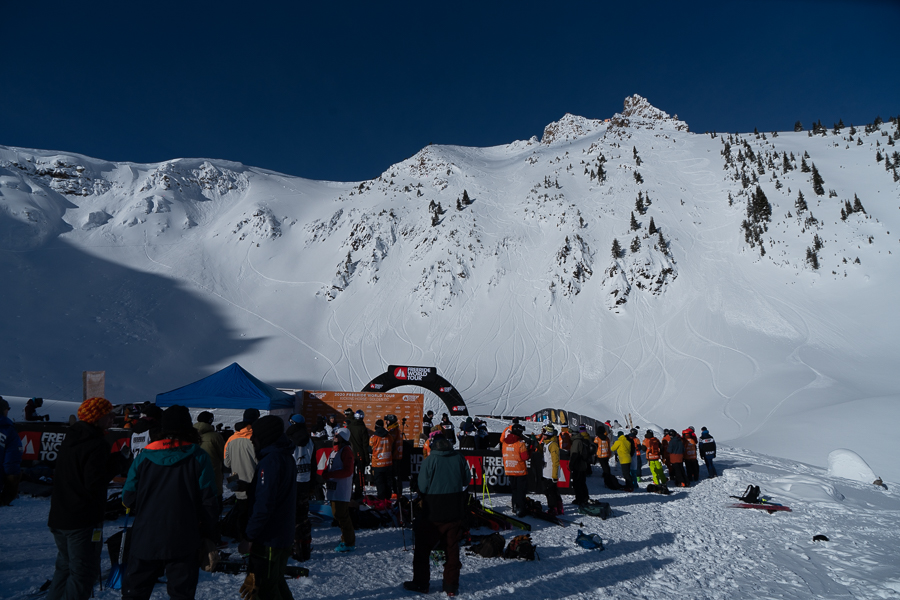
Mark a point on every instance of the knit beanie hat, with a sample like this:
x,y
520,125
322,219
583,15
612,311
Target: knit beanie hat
x,y
176,418
205,417
4,405
250,416
94,409
267,429
344,433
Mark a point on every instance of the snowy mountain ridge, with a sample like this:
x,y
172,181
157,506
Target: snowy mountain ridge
x,y
729,298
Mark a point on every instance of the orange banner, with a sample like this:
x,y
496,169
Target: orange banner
x,y
375,405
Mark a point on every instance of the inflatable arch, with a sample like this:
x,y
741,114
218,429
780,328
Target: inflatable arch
x,y
425,377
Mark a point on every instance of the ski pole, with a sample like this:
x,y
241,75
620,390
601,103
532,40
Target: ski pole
x,y
570,522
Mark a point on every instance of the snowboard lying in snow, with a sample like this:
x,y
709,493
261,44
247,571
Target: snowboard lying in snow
x,y
763,506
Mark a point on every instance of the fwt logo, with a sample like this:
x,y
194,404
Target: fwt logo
x,y
400,373
411,373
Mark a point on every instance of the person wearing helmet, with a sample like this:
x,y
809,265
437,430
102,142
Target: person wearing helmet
x,y
304,453
691,465
359,442
622,448
551,471
654,454
382,443
393,427
707,449
603,452
515,458
339,487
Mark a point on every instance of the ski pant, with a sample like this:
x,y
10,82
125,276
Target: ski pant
x,y
579,486
519,486
428,535
604,464
77,563
656,469
359,478
693,469
636,466
341,512
241,510
268,565
302,528
181,577
710,467
626,473
676,470
554,500
384,482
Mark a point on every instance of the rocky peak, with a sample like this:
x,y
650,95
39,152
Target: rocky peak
x,y
638,110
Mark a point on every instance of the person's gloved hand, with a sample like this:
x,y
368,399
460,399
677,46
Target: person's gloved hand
x,y
248,589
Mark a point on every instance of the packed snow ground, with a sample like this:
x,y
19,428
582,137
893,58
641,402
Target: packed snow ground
x,y
684,545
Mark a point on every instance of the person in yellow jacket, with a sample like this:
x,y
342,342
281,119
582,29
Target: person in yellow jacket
x,y
551,470
622,448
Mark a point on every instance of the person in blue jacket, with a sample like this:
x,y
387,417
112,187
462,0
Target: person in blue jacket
x,y
10,456
273,499
171,486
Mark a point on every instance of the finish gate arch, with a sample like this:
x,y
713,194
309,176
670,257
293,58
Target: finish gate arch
x,y
424,377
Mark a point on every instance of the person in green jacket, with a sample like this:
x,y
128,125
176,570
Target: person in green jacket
x,y
212,443
443,480
622,448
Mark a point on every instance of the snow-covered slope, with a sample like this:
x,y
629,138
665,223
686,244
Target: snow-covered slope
x,y
160,274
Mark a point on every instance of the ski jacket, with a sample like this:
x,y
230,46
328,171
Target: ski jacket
x,y
707,446
449,433
443,480
171,488
515,456
690,449
551,459
394,430
622,448
240,457
382,448
359,441
654,451
10,448
339,474
212,443
664,445
273,496
565,441
579,455
83,469
30,411
602,444
304,451
676,450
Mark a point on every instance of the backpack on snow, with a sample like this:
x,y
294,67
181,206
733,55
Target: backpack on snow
x,y
595,508
521,547
491,546
658,489
751,495
611,481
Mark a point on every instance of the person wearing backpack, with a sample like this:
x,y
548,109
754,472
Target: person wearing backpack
x,y
579,464
691,466
304,453
676,459
622,448
443,480
654,453
707,449
636,463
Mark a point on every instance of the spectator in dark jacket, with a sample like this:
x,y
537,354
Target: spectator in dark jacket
x,y
579,463
273,498
83,470
443,479
304,457
10,456
359,442
212,443
707,449
171,487
31,410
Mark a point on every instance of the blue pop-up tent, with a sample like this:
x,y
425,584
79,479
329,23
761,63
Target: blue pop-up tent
x,y
232,387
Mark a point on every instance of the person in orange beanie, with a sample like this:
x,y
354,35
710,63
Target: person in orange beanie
x,y
82,472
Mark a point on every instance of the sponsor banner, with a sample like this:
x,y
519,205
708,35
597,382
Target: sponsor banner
x,y
414,374
487,467
375,405
41,441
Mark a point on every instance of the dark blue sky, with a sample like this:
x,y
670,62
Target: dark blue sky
x,y
342,90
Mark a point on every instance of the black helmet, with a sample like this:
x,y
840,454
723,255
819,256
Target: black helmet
x,y
390,419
